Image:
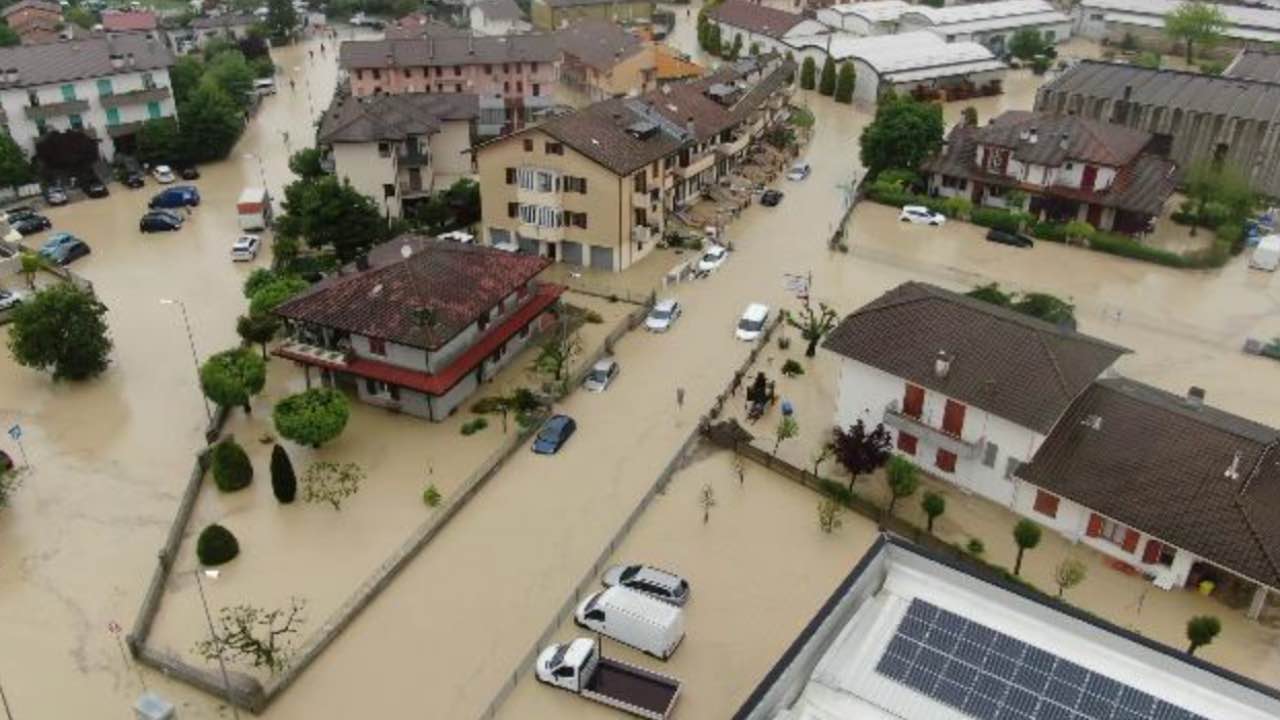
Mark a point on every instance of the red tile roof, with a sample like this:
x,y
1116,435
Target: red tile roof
x,y
755,18
127,20
456,283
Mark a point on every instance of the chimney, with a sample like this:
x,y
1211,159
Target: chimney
x,y
1032,137
1128,91
1093,422
1063,141
1233,470
1023,136
1194,398
942,364
117,61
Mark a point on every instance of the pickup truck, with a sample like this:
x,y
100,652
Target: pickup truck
x,y
578,667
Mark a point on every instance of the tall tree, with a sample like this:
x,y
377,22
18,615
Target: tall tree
x,y
933,506
1196,23
808,71
1026,534
1027,43
15,168
845,83
284,483
903,134
1046,307
330,482
787,429
328,212
557,351
281,18
62,328
211,123
903,479
827,81
520,400
1201,630
184,76
306,164
859,451
159,142
233,376
1069,573
266,298
813,325
260,329
230,72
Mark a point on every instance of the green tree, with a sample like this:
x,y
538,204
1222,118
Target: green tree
x,y
231,467
8,38
281,18
284,483
184,76
159,142
829,512
735,50
77,15
330,213
715,45
1027,43
15,168
991,293
30,264
1079,230
463,198
1201,630
787,429
260,329
556,352
330,482
845,83
808,69
1046,307
312,417
933,505
1069,573
306,164
248,634
216,545
813,326
1196,23
754,50
211,123
903,134
903,480
61,328
520,400
232,377
230,72
1026,534
258,279
269,296
827,81
860,452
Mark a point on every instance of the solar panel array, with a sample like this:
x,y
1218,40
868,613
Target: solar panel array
x,y
989,675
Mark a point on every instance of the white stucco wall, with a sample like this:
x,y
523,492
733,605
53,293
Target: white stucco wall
x,y
360,164
450,149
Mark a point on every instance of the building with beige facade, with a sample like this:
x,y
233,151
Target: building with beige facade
x,y
596,187
35,21
601,59
555,14
398,149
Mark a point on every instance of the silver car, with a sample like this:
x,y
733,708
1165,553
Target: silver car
x,y
601,375
10,299
651,581
663,315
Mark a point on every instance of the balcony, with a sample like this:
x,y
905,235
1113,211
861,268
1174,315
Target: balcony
x,y
696,166
67,107
410,189
895,418
734,146
126,128
414,157
134,97
642,234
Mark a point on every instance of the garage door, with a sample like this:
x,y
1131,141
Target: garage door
x,y
602,258
570,252
527,244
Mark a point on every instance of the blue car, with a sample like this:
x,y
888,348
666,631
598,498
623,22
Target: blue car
x,y
176,197
62,248
553,434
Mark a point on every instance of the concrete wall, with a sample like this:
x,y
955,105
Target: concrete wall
x,y
483,25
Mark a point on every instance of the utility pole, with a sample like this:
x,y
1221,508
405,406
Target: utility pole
x,y
217,643
195,357
5,701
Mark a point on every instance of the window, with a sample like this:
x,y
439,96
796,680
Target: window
x,y
113,117
77,122
537,89
148,82
913,401
520,86
513,209
33,99
153,110
388,190
104,87
989,454
522,333
505,68
360,74
946,461
1046,504
407,74
457,88
506,86
384,149
1112,531
953,418
580,220
488,69
457,71
542,216
377,74
511,176
533,67
555,148
68,92
537,180
528,145
377,346
482,322
907,443
439,71
1012,466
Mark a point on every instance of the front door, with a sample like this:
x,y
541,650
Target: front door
x,y
415,179
1095,216
1089,178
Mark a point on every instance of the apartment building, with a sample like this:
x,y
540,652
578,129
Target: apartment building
x,y
600,60
398,149
105,85
514,77
595,187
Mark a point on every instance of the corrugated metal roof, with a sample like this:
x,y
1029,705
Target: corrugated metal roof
x,y
980,11
921,52
1236,15
1004,23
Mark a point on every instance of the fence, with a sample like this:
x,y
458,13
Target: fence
x,y
628,323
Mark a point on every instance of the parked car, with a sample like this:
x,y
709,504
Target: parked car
x,y
245,248
1009,238
160,221
63,248
264,86
645,623
30,224
799,171
134,179
579,668
189,172
163,174
555,431
176,197
14,213
10,299
601,375
771,198
663,315
649,580
55,195
752,322
95,188
921,215
713,258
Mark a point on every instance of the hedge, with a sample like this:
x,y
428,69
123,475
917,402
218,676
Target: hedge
x,y
231,467
216,545
996,218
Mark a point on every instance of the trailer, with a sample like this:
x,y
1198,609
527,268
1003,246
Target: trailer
x,y
578,667
253,209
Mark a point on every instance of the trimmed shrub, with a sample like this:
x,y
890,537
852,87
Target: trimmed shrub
x,y
1231,233
216,545
472,427
791,368
284,483
231,467
1053,232
837,491
996,218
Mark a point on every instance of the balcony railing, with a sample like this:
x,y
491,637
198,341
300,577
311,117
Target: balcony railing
x,y
408,189
735,146
696,166
66,107
894,417
134,97
413,158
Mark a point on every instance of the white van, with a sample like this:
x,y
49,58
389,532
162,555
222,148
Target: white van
x,y
752,323
264,86
646,624
1266,255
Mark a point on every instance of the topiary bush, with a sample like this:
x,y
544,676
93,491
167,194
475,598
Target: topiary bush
x,y
284,483
216,545
791,368
231,467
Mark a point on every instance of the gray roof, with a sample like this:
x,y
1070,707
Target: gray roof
x,y
755,18
582,3
499,9
1257,64
432,51
598,43
1017,367
222,21
89,57
392,117
1232,97
1086,140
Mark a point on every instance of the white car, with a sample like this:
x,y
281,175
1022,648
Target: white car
x,y
602,373
663,315
752,323
458,236
921,215
713,258
799,171
163,174
246,248
10,299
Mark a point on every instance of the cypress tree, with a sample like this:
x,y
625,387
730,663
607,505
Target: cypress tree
x,y
844,84
283,481
827,82
808,69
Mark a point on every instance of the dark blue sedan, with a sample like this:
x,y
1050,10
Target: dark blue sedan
x,y
553,434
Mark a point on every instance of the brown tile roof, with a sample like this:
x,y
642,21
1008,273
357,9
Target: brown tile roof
x,y
1017,367
1162,467
584,3
392,117
49,7
598,43
755,18
671,66
90,57
431,51
456,282
128,20
1087,140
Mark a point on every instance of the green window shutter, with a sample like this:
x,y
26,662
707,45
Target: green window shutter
x,y
104,87
113,116
68,92
153,110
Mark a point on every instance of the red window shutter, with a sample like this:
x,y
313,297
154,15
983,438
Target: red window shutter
x,y
946,461
1095,525
913,401
1151,553
1130,540
953,418
907,443
1046,504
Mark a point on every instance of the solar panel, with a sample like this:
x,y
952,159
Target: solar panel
x,y
989,675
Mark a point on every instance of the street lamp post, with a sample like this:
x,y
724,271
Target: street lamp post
x,y
195,357
217,642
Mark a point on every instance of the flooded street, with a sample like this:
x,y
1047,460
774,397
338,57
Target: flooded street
x,y
111,457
